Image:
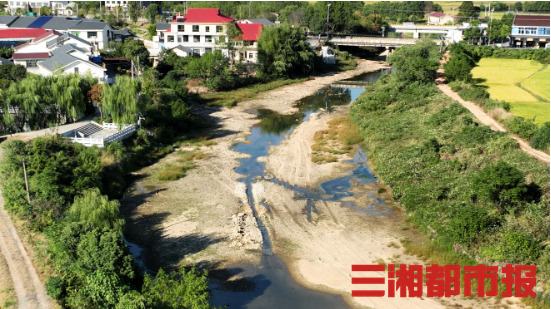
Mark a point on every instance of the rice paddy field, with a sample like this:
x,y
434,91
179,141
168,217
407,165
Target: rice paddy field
x,y
523,83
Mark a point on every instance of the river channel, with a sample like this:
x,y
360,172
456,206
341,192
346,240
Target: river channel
x,y
271,283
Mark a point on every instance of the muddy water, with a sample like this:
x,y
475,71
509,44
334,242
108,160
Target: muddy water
x,y
271,285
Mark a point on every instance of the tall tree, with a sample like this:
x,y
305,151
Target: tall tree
x,y
134,10
282,52
123,100
416,63
152,12
467,11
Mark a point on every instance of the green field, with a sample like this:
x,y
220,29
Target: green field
x,y
523,83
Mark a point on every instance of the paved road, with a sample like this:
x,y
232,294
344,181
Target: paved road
x,y
484,118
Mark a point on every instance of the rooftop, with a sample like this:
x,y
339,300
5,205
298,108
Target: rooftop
x,y
436,14
24,56
531,20
204,16
21,33
250,32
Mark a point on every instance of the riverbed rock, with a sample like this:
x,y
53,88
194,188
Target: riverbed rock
x,y
245,233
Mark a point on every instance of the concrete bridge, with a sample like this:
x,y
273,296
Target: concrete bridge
x,y
359,40
450,33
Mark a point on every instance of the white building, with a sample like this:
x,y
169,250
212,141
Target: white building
x,y
24,5
200,30
114,3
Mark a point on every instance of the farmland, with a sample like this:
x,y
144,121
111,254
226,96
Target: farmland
x,y
523,83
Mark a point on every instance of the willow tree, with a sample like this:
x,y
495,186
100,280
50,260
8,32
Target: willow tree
x,y
96,209
123,100
68,96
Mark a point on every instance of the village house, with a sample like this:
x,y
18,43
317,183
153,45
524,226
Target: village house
x,y
530,31
58,53
437,18
96,31
204,30
200,30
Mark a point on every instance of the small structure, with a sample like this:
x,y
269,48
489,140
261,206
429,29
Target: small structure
x,y
530,31
95,134
437,18
327,55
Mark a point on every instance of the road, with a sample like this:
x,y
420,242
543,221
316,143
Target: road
x,y
483,117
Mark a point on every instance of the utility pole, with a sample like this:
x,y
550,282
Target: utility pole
x,y
26,182
132,68
327,27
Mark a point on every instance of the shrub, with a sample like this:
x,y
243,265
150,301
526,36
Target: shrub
x,y
540,140
467,222
502,184
524,128
55,287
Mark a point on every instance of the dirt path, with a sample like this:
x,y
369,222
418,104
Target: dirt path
x,y
482,116
29,290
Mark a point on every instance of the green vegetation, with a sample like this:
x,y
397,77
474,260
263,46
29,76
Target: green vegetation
x,y
38,102
339,138
471,188
90,264
500,93
283,53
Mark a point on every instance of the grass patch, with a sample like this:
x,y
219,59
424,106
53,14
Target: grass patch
x,y
338,139
522,83
231,98
178,169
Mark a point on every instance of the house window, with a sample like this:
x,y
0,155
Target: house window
x,y
543,31
251,55
92,34
195,28
76,70
207,29
196,39
515,30
181,28
186,38
531,30
208,50
218,28
170,38
196,52
31,63
208,39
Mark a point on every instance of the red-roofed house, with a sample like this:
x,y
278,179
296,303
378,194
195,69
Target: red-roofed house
x,y
246,44
199,30
13,37
437,18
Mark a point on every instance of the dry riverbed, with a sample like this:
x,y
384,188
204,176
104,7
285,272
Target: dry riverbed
x,y
204,219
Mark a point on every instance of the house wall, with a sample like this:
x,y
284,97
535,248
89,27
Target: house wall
x,y
100,40
199,40
84,68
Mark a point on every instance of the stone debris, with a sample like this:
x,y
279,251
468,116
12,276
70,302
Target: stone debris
x,y
245,232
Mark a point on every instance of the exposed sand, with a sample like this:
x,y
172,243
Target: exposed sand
x,y
291,161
